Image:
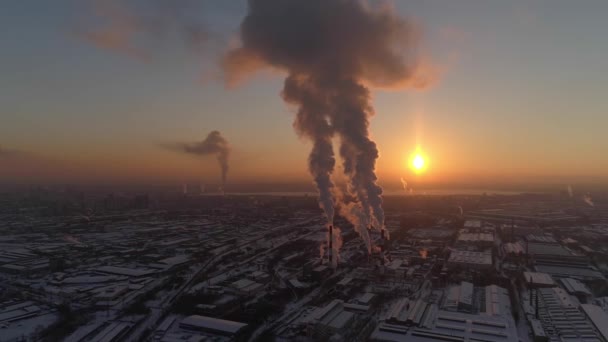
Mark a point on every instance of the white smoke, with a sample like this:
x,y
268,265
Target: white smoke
x,y
404,184
587,199
336,246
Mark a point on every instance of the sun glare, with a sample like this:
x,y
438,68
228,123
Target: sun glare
x,y
418,162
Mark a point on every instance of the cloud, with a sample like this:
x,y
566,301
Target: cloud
x,y
133,28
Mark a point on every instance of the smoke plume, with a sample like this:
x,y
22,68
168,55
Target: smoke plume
x,y
131,27
214,144
332,51
587,199
354,214
336,245
404,184
570,192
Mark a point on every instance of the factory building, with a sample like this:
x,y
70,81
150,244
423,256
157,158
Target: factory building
x,y
460,298
337,321
246,287
598,317
440,325
459,319
560,317
535,280
212,325
560,262
468,259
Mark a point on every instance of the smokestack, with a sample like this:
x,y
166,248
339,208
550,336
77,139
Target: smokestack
x,y
330,244
332,51
214,144
382,242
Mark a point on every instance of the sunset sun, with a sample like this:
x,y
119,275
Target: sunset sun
x,y
418,162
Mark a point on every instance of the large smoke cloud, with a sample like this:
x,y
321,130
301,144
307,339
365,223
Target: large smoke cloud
x,y
214,144
333,51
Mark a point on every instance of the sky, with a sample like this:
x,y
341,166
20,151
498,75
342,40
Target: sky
x,y
520,100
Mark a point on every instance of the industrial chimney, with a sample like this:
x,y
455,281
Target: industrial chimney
x,y
382,242
330,244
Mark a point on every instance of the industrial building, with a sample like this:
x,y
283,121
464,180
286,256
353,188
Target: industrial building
x,y
459,298
560,316
538,279
439,325
337,321
459,318
212,325
468,259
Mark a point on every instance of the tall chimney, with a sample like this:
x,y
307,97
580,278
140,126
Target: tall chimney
x,y
382,245
330,251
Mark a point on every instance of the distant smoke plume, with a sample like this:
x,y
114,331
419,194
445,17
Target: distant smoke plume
x,y
332,52
570,192
406,187
404,184
423,253
131,27
214,144
587,198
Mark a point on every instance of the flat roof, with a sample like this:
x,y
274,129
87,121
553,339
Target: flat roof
x,y
133,272
472,224
212,324
539,278
242,283
598,317
569,272
470,257
547,249
575,286
341,320
176,260
466,293
366,297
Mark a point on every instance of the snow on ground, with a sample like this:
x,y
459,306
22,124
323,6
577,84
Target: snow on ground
x,y
25,327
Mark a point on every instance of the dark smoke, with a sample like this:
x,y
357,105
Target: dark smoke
x,y
130,27
332,52
214,144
